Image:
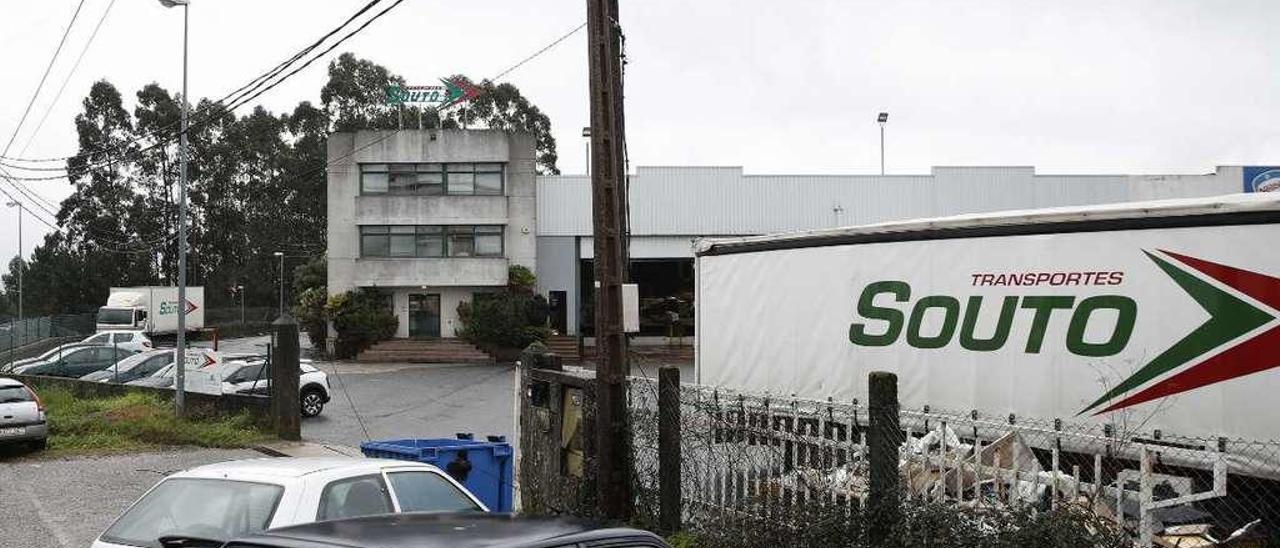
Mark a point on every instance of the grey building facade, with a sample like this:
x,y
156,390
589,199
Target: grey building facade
x,y
429,218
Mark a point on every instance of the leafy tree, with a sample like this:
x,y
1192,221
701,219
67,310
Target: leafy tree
x,y
502,107
355,98
309,284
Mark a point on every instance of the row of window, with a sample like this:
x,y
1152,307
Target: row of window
x,y
431,241
436,179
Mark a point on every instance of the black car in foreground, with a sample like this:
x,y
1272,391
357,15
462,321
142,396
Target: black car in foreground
x,y
454,530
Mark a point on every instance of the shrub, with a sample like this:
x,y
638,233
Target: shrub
x,y
520,279
511,318
360,319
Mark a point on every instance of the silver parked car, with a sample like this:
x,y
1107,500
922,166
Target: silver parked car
x,y
21,415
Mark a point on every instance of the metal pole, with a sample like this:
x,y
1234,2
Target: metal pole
x,y
882,148
179,380
588,157
281,284
22,263
241,305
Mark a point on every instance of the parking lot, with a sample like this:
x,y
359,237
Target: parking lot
x,y
66,503
56,503
413,401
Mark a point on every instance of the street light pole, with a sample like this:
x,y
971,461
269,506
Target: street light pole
x,y
281,256
882,118
586,134
179,380
22,261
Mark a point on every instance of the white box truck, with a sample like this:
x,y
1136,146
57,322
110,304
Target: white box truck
x,y
1167,310
152,310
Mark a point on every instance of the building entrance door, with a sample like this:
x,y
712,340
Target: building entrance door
x,y
424,315
559,311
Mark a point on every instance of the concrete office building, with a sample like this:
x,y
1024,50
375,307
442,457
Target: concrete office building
x,y
433,217
429,218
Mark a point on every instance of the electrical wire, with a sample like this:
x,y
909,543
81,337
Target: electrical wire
x,y
231,99
40,86
539,52
67,80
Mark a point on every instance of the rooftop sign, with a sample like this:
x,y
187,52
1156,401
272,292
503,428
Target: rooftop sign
x,y
452,91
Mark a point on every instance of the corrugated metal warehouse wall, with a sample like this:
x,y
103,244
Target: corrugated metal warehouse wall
x,y
723,201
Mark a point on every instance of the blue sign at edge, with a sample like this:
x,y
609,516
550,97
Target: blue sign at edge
x,y
1261,179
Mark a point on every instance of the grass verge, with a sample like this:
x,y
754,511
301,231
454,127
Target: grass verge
x,y
135,422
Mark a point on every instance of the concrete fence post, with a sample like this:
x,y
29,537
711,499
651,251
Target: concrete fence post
x,y
883,438
669,496
285,407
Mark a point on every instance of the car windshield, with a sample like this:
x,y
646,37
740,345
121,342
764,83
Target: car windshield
x,y
14,394
214,509
122,316
59,351
131,362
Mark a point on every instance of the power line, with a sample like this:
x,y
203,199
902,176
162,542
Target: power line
x,y
40,86
67,80
539,52
232,97
99,238
246,99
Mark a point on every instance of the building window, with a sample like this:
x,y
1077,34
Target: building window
x,y
488,241
431,241
462,241
374,241
432,179
403,241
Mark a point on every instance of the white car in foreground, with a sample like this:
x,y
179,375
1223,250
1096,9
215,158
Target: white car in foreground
x,y
221,501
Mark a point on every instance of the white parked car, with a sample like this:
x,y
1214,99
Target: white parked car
x,y
227,500
254,377
134,341
22,418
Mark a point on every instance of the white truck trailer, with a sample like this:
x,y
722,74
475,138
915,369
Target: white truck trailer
x,y
152,310
1168,310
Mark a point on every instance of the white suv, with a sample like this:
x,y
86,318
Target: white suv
x,y
134,341
253,376
222,501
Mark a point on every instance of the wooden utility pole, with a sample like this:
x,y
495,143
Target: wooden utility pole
x,y
608,214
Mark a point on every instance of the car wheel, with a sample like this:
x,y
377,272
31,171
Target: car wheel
x,y
312,403
40,445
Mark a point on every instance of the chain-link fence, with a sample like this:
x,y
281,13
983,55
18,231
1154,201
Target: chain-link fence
x,y
756,468
17,334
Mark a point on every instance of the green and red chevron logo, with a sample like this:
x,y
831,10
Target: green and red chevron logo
x,y
1226,346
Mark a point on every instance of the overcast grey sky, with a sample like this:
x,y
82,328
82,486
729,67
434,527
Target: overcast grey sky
x,y
1159,86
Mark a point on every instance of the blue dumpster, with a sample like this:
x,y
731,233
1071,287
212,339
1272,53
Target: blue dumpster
x,y
484,467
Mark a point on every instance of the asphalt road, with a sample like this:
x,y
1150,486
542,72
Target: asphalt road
x,y
66,503
413,401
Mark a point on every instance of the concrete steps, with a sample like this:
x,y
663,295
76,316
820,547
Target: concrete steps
x,y
564,346
424,351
